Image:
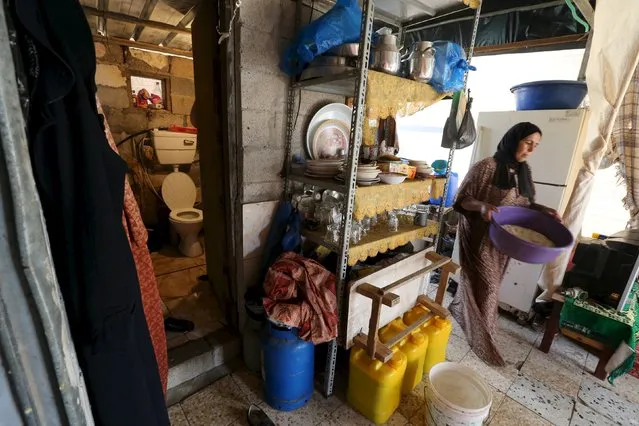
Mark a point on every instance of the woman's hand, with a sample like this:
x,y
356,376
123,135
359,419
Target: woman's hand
x,y
486,211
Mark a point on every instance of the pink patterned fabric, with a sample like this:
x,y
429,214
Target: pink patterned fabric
x,y
301,293
152,304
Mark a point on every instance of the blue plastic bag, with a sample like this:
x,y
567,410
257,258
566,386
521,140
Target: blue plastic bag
x,y
450,67
339,25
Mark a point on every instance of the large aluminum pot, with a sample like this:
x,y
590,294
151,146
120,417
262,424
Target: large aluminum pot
x,y
422,61
386,55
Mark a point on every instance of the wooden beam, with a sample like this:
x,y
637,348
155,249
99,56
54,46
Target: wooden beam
x,y
186,20
528,44
145,46
586,10
147,10
91,11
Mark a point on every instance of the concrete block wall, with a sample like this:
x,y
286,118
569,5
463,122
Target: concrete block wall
x,y
115,64
267,27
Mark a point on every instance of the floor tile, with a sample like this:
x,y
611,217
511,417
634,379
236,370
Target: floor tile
x,y
626,386
584,416
250,384
512,349
457,348
499,377
177,285
169,260
547,370
176,416
541,399
498,398
315,412
606,402
591,363
568,352
411,403
345,415
511,413
509,326
421,417
221,403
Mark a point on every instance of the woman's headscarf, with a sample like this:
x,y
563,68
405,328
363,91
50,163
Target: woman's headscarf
x,y
505,157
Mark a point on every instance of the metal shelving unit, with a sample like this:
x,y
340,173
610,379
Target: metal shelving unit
x,y
349,84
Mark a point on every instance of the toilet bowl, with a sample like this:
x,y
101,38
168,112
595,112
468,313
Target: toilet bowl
x,y
179,194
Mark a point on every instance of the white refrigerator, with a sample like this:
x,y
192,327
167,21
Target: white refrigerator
x,y
554,166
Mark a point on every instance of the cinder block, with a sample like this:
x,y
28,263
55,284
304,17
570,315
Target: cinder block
x,y
182,104
260,51
160,118
182,67
262,129
110,76
109,53
262,15
265,191
265,92
182,86
127,120
147,61
114,97
262,165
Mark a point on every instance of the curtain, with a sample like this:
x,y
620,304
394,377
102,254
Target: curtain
x,y
613,59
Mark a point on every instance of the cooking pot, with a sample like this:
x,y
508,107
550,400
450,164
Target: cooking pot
x,y
386,55
421,61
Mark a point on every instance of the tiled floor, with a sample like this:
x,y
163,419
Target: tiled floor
x,y
183,295
533,389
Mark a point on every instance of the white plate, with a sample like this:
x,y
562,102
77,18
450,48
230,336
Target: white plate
x,y
335,111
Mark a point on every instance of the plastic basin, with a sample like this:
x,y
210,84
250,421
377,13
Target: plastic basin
x,y
550,94
522,250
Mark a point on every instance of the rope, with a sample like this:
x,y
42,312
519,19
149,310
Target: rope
x,y
224,35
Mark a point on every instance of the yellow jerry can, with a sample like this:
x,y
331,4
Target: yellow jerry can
x,y
374,387
413,346
438,331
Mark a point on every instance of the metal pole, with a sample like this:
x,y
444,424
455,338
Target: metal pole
x,y
451,153
357,120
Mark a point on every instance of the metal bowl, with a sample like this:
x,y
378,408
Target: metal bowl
x,y
328,61
347,50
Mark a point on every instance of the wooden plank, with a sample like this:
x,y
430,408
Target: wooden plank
x,y
586,10
91,11
358,307
373,324
145,46
147,10
383,353
408,330
583,339
103,6
370,291
416,274
186,20
449,269
529,44
436,308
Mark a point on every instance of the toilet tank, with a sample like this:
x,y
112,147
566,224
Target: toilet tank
x,y
174,147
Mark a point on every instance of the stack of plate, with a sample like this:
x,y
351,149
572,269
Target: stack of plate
x,y
323,168
423,168
328,133
367,174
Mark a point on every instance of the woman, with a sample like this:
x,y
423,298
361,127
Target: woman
x,y
502,180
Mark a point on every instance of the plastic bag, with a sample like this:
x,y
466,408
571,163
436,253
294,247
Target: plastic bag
x,y
464,136
339,25
450,67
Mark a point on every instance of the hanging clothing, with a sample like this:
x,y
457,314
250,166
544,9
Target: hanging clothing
x,y
80,182
300,293
475,306
137,235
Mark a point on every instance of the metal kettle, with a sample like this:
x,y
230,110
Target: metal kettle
x,y
421,61
386,56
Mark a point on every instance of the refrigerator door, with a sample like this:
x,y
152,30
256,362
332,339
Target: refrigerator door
x,y
519,287
551,196
559,154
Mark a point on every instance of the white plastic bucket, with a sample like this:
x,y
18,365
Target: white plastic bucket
x,y
457,396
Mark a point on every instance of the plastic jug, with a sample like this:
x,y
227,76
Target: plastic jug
x,y
413,346
374,388
438,331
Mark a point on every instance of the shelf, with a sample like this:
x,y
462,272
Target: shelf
x,y
379,240
322,183
340,84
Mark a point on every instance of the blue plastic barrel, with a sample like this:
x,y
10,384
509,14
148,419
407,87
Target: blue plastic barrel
x,y
452,191
287,368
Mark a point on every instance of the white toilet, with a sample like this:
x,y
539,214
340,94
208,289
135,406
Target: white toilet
x,y
178,190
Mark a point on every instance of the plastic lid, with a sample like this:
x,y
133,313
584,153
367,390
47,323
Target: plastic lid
x,y
178,191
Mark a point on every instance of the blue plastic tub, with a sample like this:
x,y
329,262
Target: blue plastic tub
x,y
549,94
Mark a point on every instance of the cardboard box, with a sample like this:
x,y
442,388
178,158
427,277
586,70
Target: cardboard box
x,y
405,169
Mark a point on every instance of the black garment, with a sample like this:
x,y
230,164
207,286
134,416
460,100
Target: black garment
x,y
81,186
506,161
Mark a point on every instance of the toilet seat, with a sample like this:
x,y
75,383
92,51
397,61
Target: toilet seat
x,y
186,215
179,192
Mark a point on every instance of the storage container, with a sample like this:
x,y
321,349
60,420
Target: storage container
x,y
550,94
413,346
374,388
438,331
287,368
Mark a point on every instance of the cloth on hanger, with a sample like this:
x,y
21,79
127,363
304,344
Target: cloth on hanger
x,y
151,301
301,293
81,181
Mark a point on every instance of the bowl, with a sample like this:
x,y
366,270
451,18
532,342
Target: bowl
x,y
549,94
367,174
523,250
392,178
